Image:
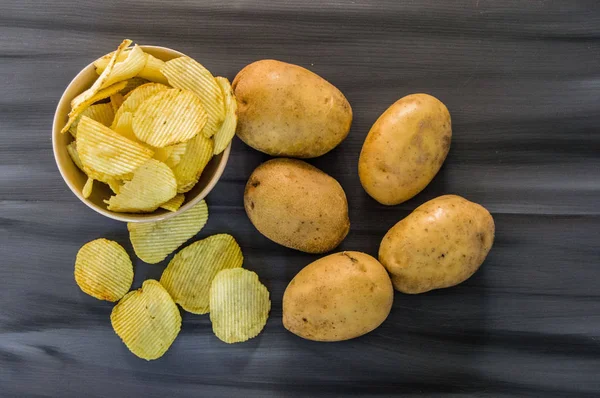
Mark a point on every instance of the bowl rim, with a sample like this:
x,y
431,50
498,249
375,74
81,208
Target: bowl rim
x,y
127,217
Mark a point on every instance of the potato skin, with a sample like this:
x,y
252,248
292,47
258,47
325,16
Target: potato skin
x,y
405,149
297,205
287,110
440,244
338,297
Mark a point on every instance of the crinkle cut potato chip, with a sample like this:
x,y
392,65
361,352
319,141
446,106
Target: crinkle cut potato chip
x,y
128,68
124,126
112,182
102,113
103,270
136,97
175,203
86,192
198,152
225,134
154,241
188,276
105,151
153,184
184,72
132,84
147,320
239,305
152,69
169,117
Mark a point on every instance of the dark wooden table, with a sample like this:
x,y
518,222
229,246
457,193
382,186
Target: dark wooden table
x,y
522,82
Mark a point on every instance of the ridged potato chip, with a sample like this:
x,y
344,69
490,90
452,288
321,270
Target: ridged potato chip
x,y
154,241
189,275
225,134
116,100
198,152
147,320
105,151
87,188
239,305
102,62
169,117
184,72
132,84
178,150
103,270
113,182
136,97
128,68
153,184
124,126
152,69
102,113
175,203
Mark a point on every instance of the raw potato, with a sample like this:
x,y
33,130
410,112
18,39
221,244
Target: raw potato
x,y
297,205
440,244
338,297
405,149
286,110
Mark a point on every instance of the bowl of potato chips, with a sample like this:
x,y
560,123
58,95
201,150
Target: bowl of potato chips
x,y
143,133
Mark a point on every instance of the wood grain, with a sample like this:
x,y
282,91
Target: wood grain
x,y
522,82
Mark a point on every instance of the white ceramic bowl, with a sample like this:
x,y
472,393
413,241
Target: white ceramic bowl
x,y
75,178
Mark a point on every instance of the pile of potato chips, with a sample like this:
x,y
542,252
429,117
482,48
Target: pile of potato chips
x,y
148,128
206,276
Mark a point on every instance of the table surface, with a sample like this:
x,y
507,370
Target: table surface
x,y
522,82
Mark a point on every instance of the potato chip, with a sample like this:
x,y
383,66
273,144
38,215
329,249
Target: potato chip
x,y
198,152
188,276
162,154
102,62
105,151
103,270
87,188
136,97
132,84
225,134
153,184
152,69
116,100
169,117
102,113
100,95
188,74
154,241
177,152
72,150
113,182
175,203
239,305
147,320
128,68
124,127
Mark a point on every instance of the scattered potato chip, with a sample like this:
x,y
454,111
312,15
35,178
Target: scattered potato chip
x,y
116,100
176,153
87,188
225,134
147,320
100,95
175,203
103,270
188,74
102,113
152,69
239,305
154,241
153,184
105,151
188,276
128,68
198,152
136,97
169,117
72,150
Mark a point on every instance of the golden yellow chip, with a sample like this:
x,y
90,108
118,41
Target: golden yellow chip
x,y
102,62
188,276
239,305
105,151
152,69
177,152
136,97
225,134
175,203
103,270
128,68
87,188
72,150
154,241
124,126
162,154
147,320
102,113
153,184
169,117
116,100
132,84
198,152
188,74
